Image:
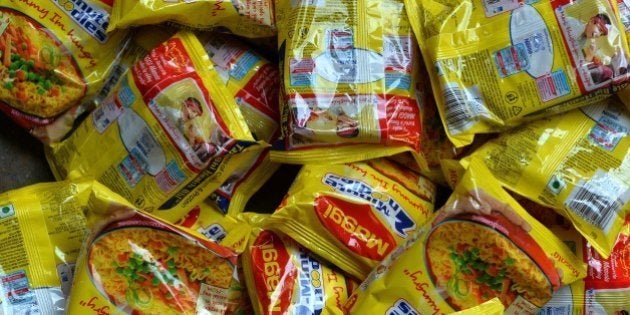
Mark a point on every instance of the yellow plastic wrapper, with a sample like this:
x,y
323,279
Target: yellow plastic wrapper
x,y
350,71
354,214
606,288
480,245
254,82
134,263
42,228
284,278
499,63
54,58
577,163
247,18
209,221
166,137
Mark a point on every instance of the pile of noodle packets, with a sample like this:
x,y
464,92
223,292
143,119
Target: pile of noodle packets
x,y
395,157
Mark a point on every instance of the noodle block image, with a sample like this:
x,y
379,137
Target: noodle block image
x,y
348,82
39,76
285,278
575,163
471,269
134,263
354,214
53,60
481,245
172,131
499,64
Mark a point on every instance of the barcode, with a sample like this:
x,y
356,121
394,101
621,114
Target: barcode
x,y
118,71
458,117
597,201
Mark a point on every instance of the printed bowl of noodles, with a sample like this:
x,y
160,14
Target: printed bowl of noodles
x,y
153,271
475,258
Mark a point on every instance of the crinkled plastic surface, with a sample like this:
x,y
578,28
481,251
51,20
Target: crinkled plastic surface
x,y
606,288
576,163
496,64
135,263
53,60
285,278
354,214
42,228
350,73
165,137
254,83
248,18
481,245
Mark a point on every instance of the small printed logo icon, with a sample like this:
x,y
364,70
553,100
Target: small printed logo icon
x,y
6,211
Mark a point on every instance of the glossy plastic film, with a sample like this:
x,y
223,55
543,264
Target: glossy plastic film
x,y
38,252
354,214
606,288
254,82
248,18
481,245
54,58
496,64
167,135
135,263
350,73
285,278
576,163
42,229
207,220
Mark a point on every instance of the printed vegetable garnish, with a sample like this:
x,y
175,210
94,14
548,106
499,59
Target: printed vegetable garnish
x,y
33,62
469,266
54,59
141,265
481,245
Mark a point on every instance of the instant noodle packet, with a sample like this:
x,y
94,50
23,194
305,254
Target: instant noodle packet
x,y
254,82
171,131
349,71
134,263
247,18
354,214
42,228
480,245
54,58
284,278
606,288
497,64
577,163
